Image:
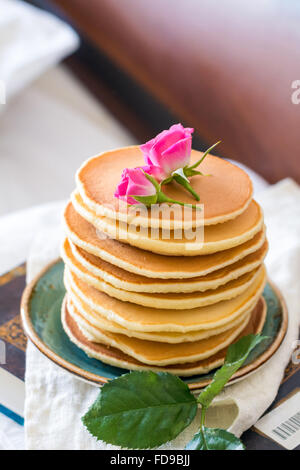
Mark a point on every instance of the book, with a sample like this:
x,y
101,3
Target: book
x,y
12,344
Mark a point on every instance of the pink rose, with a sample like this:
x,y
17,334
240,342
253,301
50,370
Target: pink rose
x,y
169,150
134,183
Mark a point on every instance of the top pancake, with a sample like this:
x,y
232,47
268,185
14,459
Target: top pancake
x,y
225,193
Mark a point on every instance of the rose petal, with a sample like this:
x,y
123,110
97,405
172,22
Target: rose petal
x,y
145,148
169,139
177,156
134,182
121,188
153,150
138,183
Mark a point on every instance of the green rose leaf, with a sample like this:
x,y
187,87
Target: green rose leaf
x,y
236,355
214,439
141,410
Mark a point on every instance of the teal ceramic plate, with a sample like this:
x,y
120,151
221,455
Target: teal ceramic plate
x,y
41,307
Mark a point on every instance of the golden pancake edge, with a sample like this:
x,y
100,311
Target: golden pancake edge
x,y
84,314
117,358
95,271
138,261
140,318
205,240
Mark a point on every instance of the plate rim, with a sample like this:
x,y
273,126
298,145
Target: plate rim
x,y
95,379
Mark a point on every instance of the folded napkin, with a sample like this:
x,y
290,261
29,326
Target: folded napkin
x,y
31,40
55,400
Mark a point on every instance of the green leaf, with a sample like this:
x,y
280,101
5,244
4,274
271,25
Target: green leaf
x,y
214,439
141,410
147,200
236,355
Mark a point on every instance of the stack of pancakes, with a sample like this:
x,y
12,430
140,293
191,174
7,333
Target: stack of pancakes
x,y
141,301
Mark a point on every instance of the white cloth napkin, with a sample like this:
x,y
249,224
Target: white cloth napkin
x,y
55,400
31,40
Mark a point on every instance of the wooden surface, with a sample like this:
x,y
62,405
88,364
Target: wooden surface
x,y
225,69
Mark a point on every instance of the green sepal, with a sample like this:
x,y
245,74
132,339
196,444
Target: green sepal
x,y
161,197
147,200
180,172
190,172
203,156
167,180
152,180
183,181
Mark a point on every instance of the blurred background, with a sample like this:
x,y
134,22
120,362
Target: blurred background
x,y
79,77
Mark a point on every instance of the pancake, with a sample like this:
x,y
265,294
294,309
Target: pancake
x,y
86,316
169,300
164,354
87,264
139,318
209,239
92,322
145,263
117,358
225,193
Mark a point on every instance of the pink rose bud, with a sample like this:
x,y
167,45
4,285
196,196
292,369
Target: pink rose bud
x,y
169,150
134,183
154,171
